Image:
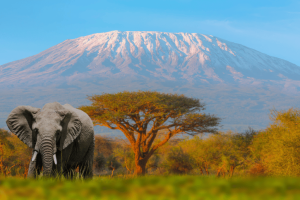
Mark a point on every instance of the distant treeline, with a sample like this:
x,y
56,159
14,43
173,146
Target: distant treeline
x,y
273,151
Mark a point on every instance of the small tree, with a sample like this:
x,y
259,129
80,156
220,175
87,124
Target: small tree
x,y
277,148
112,164
142,115
204,153
126,156
99,162
178,162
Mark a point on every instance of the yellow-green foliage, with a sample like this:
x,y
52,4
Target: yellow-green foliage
x,y
172,187
278,147
126,157
142,115
177,161
221,154
204,153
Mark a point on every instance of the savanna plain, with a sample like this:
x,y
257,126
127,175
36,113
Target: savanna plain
x,y
252,164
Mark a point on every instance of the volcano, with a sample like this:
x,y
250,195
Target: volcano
x,y
237,83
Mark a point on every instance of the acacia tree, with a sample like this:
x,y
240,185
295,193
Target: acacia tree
x,y
142,116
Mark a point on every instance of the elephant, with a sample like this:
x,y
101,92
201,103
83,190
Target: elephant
x,y
62,138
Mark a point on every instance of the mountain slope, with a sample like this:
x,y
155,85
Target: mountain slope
x,y
237,83
168,56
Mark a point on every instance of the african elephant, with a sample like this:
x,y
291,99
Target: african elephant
x,y
62,138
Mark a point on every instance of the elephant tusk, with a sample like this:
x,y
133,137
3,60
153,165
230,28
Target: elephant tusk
x,y
34,155
54,158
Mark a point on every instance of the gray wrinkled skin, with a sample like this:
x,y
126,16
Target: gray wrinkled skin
x,y
56,129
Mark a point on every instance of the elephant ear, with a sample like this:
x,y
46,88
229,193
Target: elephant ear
x,y
19,122
71,125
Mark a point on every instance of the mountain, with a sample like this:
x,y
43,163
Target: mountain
x,y
236,82
170,56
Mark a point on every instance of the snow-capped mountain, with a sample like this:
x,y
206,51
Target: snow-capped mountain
x,y
168,56
238,84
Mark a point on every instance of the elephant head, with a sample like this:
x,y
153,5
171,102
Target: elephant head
x,y
54,127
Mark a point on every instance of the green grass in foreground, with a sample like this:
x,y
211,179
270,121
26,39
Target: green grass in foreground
x,y
171,187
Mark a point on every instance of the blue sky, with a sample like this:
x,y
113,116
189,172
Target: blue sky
x,y
269,26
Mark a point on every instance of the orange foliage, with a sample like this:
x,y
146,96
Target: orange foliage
x,y
14,155
257,170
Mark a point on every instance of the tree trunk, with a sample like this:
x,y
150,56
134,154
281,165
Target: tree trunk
x,y
113,169
219,172
140,167
201,170
232,167
25,170
127,167
206,169
112,172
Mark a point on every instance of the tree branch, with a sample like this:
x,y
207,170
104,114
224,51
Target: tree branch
x,y
137,149
129,135
107,125
167,138
129,125
151,140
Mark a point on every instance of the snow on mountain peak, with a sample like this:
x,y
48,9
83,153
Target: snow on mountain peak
x,y
202,66
171,56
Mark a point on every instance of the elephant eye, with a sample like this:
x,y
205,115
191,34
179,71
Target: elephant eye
x,y
36,130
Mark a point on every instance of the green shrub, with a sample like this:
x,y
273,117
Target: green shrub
x,y
178,162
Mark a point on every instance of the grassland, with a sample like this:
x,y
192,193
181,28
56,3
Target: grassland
x,y
167,187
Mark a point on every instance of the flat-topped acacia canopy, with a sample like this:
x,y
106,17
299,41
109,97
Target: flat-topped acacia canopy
x,y
142,115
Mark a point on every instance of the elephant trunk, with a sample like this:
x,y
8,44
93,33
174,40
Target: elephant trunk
x,y
47,155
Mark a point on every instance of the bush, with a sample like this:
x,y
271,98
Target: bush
x,y
112,163
178,162
99,161
277,148
257,170
14,155
125,156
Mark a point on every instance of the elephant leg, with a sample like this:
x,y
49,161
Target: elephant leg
x,y
70,172
55,173
86,166
35,167
64,167
57,170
